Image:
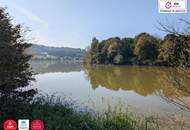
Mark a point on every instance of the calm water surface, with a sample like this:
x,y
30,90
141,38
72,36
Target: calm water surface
x,y
146,90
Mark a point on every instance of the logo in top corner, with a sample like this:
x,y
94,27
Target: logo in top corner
x,y
172,6
168,4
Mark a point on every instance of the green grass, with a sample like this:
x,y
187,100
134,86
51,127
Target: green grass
x,y
59,114
62,114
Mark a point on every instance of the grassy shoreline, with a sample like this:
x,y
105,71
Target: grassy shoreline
x,y
58,114
62,114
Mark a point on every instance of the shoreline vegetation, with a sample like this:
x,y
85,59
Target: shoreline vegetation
x,y
18,101
143,49
60,114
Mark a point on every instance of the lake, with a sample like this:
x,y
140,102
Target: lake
x,y
145,90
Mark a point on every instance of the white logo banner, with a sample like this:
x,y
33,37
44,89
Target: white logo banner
x,y
172,6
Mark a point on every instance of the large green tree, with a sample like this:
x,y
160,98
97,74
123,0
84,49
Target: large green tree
x,y
15,71
127,49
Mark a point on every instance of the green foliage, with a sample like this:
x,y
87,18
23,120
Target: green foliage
x,y
15,72
127,49
175,50
118,59
94,51
144,49
111,51
58,114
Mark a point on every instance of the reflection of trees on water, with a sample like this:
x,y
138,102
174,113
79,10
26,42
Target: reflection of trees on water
x,y
51,66
171,84
180,81
142,80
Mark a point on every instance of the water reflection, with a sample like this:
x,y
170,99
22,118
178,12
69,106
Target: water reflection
x,y
144,89
53,66
142,80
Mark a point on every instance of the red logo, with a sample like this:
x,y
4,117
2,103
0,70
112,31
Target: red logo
x,y
168,4
10,125
37,125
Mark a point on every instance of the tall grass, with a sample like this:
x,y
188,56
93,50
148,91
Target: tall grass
x,y
60,114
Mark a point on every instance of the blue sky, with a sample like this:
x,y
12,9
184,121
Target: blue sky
x,y
73,23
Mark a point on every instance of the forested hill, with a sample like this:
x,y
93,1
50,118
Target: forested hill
x,y
46,52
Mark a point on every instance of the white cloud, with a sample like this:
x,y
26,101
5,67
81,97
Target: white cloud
x,y
31,16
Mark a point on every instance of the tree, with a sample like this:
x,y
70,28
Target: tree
x,y
114,48
127,49
87,56
15,71
167,51
94,50
146,49
175,49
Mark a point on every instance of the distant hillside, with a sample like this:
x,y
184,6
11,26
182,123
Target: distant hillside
x,y
45,52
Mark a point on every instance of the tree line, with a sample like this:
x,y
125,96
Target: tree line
x,y
143,49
